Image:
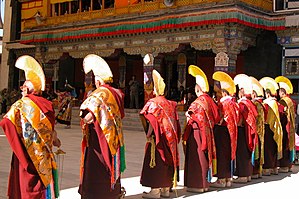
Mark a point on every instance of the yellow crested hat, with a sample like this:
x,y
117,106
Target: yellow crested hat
x,y
98,66
158,83
285,83
269,83
200,76
33,72
226,82
243,81
256,86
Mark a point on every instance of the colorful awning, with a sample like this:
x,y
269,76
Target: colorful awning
x,y
217,16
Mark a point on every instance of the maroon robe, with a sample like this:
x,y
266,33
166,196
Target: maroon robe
x,y
162,174
96,179
200,144
24,181
225,136
247,138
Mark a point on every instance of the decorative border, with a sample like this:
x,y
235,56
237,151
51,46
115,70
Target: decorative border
x,y
219,16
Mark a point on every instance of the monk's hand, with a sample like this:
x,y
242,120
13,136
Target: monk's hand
x,y
56,140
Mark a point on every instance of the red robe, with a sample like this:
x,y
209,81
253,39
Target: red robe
x,y
24,181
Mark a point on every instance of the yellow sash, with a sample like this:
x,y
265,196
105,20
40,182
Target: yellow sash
x,y
35,131
273,120
260,120
291,118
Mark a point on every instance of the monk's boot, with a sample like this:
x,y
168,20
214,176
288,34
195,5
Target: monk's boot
x,y
220,183
195,190
153,194
266,172
228,182
248,178
283,170
165,192
274,171
240,180
255,176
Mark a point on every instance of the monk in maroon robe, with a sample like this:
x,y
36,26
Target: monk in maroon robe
x,y
247,138
225,134
161,159
102,159
200,161
26,179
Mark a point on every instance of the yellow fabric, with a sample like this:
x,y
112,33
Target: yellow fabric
x,y
153,152
260,120
36,132
226,81
196,71
104,107
273,120
290,111
285,83
158,82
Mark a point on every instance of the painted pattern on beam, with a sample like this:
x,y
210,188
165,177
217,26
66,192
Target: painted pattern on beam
x,y
219,16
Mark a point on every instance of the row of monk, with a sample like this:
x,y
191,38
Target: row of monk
x,y
242,135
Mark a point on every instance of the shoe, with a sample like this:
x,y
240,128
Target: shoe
x,y
67,127
260,175
274,171
248,178
266,172
283,170
153,194
228,182
240,180
206,189
195,190
220,183
122,193
255,176
165,192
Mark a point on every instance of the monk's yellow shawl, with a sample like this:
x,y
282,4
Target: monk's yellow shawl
x,y
260,127
290,112
273,119
35,131
103,105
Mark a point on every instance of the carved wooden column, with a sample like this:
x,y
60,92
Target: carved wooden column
x,y
122,72
231,39
182,65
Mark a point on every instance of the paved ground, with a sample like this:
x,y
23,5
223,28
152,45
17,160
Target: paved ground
x,y
271,186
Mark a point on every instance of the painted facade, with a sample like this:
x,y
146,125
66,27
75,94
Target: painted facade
x,y
176,35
